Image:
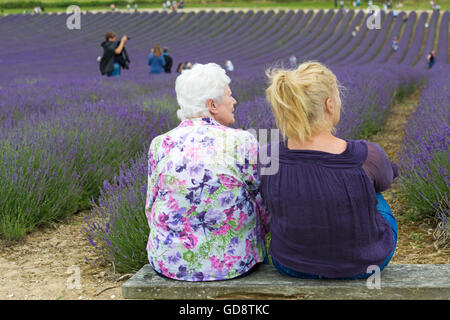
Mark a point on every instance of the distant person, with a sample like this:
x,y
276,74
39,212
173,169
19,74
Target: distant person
x,y
168,60
112,7
341,4
430,59
354,32
405,17
135,7
114,56
395,44
156,60
358,3
180,67
181,4
187,65
42,8
164,7
229,66
128,7
293,61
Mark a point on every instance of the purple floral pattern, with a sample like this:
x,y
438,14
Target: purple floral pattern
x,y
203,204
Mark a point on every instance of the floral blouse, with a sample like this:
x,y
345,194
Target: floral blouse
x,y
203,203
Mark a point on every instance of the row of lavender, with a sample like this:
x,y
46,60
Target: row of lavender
x,y
117,227
251,39
61,139
426,155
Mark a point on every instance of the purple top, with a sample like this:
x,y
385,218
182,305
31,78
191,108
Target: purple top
x,y
324,219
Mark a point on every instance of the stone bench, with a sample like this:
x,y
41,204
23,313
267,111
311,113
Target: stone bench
x,y
397,281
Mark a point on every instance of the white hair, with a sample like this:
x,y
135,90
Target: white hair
x,y
194,86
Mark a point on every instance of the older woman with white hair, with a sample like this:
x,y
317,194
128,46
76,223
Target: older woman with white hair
x,y
203,187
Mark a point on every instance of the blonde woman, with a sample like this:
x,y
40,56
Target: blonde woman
x,y
156,60
328,217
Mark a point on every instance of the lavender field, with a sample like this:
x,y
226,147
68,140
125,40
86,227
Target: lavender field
x,y
73,140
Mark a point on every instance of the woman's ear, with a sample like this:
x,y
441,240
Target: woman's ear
x,y
211,106
329,106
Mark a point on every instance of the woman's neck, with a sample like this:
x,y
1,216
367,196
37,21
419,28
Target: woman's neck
x,y
322,141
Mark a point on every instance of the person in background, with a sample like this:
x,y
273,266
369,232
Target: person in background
x,y
328,218
430,59
181,4
355,32
395,44
203,205
168,60
180,67
128,7
112,7
156,60
358,3
229,66
164,7
293,61
187,65
135,7
341,4
114,55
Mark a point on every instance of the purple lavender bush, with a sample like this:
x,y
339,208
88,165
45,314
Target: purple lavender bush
x,y
425,157
55,161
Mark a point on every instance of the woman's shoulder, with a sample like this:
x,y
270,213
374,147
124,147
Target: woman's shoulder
x,y
241,134
372,147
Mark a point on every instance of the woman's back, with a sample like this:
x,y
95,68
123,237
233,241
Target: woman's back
x,y
324,217
156,63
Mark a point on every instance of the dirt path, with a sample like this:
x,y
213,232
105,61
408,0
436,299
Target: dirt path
x,y
40,266
416,241
37,266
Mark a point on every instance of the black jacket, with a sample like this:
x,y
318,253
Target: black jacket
x,y
168,66
109,57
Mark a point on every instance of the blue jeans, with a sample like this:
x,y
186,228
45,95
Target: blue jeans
x,y
115,72
385,211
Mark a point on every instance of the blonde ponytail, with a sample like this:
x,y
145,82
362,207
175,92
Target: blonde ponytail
x,y
297,99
